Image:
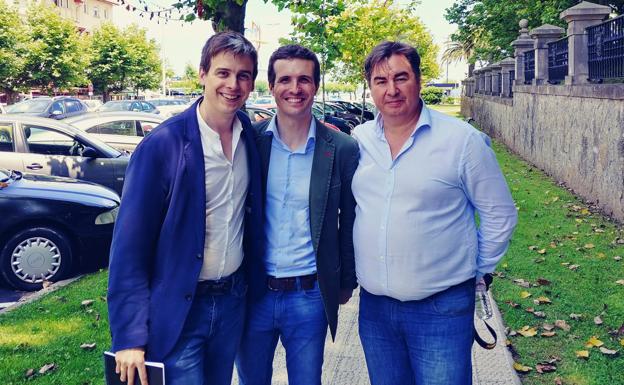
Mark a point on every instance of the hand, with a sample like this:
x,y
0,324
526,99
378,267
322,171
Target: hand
x,y
344,296
128,361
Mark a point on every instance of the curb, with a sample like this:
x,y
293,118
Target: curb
x,y
31,297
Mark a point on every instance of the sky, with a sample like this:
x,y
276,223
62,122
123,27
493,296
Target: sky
x,y
182,42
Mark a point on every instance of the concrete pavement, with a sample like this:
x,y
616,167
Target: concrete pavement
x,y
345,365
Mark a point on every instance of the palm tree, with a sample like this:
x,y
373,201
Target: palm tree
x,y
456,51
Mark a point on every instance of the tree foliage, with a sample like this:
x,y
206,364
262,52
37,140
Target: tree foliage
x,y
122,59
486,28
54,56
12,48
226,15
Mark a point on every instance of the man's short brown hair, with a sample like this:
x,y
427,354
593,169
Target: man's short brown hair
x,y
231,42
384,50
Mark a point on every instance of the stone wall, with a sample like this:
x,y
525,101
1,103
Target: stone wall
x,y
574,133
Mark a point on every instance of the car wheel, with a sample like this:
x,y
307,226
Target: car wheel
x,y
35,255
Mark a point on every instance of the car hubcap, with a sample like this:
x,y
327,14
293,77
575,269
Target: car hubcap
x,y
35,260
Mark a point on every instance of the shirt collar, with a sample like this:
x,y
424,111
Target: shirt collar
x,y
424,120
272,130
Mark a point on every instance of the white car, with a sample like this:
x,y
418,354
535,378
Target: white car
x,y
169,107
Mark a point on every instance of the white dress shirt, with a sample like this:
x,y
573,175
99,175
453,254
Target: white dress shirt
x,y
226,189
415,232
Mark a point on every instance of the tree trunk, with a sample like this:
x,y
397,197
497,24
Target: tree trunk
x,y
230,17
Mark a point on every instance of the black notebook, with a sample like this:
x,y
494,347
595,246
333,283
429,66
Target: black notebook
x,y
155,372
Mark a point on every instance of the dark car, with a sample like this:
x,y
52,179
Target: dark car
x,y
120,129
50,147
338,112
257,114
355,109
129,105
50,226
59,107
341,124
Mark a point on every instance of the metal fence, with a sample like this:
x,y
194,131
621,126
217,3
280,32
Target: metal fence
x,y
557,60
529,66
606,50
512,77
499,83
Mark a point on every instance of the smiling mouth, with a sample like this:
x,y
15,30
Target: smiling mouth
x,y
231,98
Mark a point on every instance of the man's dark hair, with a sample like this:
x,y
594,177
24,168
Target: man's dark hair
x,y
294,51
231,42
384,50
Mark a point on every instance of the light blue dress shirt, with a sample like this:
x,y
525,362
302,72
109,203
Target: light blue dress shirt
x,y
290,251
415,232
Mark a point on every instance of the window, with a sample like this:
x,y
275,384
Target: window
x,y
146,126
85,8
73,106
120,127
105,14
146,106
57,106
96,12
45,141
6,137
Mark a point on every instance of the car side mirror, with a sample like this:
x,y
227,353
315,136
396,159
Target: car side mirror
x,y
89,152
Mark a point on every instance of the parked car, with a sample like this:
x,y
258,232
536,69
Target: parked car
x,y
92,104
48,147
338,112
340,124
355,109
169,107
257,114
120,129
129,105
52,225
59,107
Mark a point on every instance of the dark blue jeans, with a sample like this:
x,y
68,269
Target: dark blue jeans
x,y
205,351
425,342
298,319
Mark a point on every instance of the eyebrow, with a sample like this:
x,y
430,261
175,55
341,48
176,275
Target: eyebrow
x,y
230,70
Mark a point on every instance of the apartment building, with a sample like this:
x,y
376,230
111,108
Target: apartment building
x,y
87,14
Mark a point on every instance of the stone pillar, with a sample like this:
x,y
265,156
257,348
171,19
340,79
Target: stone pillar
x,y
495,76
542,36
476,74
522,44
487,72
471,86
507,65
579,17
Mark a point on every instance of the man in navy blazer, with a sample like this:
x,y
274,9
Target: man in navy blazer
x,y
177,282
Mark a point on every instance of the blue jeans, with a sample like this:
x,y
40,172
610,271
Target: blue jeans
x,y
298,319
425,342
205,351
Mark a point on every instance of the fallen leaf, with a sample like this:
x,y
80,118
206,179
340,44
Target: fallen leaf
x,y
617,258
543,281
622,342
593,341
529,310
574,267
527,331
539,260
539,314
525,294
620,281
90,346
561,324
87,302
521,368
582,354
576,316
545,368
601,256
608,352
599,230
46,368
588,246
558,381
532,248
585,212
553,245
542,300
521,282
512,304
565,263
548,334
46,284
541,251
548,327
29,373
598,320
512,333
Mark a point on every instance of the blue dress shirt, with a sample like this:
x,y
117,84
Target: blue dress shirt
x,y
289,251
415,232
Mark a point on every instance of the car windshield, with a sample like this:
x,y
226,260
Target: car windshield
x,y
116,106
32,105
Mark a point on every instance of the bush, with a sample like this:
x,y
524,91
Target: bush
x,y
432,95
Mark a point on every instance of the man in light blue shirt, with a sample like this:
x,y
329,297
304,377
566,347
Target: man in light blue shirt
x,y
421,178
308,265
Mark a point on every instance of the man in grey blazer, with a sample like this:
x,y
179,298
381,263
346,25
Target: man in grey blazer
x,y
308,264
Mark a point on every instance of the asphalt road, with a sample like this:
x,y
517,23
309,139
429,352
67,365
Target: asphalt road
x,y
9,296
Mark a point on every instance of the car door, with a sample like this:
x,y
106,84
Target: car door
x,y
8,158
52,152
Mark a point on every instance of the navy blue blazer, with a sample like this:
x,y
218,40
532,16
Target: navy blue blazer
x,y
158,241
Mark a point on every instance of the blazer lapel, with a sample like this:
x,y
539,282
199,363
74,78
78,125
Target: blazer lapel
x,y
263,141
320,179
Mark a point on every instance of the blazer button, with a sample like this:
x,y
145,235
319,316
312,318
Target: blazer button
x,y
188,297
200,256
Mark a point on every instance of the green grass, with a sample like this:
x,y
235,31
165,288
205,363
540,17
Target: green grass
x,y
52,329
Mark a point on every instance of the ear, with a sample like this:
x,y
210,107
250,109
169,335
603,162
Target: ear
x,y
202,76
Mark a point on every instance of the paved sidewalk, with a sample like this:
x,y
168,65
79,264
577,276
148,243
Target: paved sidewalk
x,y
345,364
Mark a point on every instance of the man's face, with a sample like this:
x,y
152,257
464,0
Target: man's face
x,y
395,89
227,83
294,87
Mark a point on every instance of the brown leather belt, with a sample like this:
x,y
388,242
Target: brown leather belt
x,y
303,282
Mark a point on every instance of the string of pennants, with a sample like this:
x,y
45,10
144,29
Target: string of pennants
x,y
152,11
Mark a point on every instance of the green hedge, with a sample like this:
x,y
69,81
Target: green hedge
x,y
432,95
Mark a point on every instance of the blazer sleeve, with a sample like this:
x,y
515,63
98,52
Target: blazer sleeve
x,y
135,238
346,217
